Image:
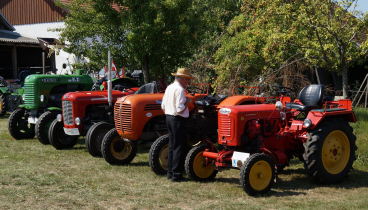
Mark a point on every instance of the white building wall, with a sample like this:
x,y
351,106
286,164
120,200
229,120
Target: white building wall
x,y
44,30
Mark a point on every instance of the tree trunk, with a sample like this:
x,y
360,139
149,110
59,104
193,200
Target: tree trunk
x,y
146,69
345,82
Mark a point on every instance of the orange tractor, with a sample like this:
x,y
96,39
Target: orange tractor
x,y
137,117
261,139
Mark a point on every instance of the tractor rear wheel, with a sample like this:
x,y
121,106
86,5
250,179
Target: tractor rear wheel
x,y
2,104
117,151
43,126
257,175
330,151
95,136
18,125
58,138
196,166
158,155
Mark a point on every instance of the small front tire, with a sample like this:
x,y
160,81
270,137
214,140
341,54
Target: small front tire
x,y
117,151
43,126
58,138
257,175
95,136
196,166
158,155
18,125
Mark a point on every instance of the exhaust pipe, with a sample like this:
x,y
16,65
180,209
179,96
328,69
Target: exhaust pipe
x,y
109,83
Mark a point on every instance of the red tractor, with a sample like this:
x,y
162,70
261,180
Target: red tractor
x,y
87,113
200,126
261,139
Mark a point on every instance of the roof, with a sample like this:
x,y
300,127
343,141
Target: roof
x,y
13,37
5,23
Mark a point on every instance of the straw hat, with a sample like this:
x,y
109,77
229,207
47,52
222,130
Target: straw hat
x,y
183,72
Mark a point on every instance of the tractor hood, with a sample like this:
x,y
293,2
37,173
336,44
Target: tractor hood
x,y
93,95
256,110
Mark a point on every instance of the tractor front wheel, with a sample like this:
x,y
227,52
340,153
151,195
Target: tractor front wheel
x,y
43,126
158,155
117,151
95,136
197,167
257,175
330,151
2,104
18,125
58,138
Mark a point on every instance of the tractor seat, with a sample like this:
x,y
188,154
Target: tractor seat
x,y
148,88
210,100
311,97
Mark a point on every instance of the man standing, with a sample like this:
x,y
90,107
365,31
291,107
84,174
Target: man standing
x,y
174,104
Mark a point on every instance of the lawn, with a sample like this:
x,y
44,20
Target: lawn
x,y
34,176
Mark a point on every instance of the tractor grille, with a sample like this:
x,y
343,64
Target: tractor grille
x,y
123,117
224,124
68,112
151,107
29,94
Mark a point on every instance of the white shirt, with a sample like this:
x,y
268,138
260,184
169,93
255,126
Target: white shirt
x,y
173,102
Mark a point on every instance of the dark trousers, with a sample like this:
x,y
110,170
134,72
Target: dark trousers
x,y
176,128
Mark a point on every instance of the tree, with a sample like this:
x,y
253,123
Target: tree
x,y
269,34
336,35
155,35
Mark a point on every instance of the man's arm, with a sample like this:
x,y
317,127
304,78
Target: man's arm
x,y
180,101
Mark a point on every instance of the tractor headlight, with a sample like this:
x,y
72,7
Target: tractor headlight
x,y
59,117
307,123
77,121
279,105
24,97
42,98
225,111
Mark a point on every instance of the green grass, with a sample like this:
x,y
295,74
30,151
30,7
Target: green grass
x,y
34,176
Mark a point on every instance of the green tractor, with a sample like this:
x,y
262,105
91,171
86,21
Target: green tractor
x,y
42,102
10,96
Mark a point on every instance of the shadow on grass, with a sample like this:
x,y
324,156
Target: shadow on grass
x,y
5,116
362,114
355,179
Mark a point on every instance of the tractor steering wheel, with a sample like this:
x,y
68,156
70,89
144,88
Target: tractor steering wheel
x,y
193,90
282,90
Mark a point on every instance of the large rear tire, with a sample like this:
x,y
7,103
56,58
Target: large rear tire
x,y
58,138
2,104
196,166
95,136
43,126
117,151
158,155
330,151
257,175
18,125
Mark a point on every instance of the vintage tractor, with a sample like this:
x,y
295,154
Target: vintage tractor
x,y
261,139
200,126
42,102
10,95
87,113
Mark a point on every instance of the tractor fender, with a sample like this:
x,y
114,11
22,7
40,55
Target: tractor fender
x,y
319,116
241,100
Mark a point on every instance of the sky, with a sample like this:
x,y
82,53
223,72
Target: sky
x,y
363,5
